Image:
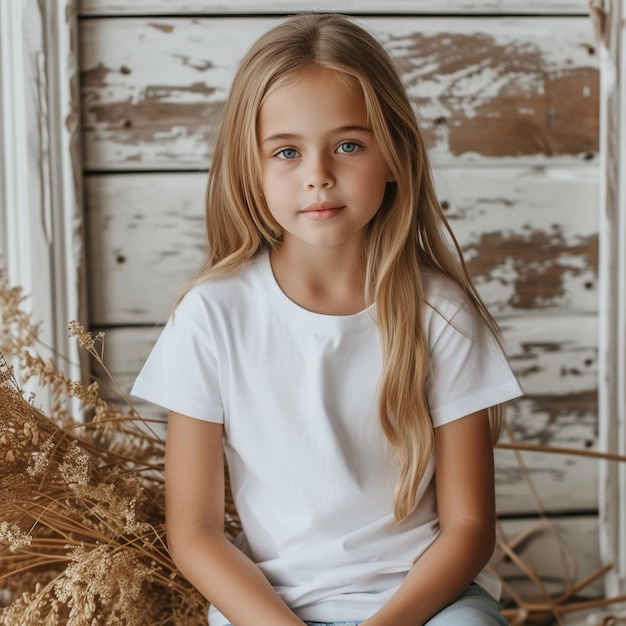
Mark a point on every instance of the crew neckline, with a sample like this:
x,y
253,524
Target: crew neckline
x,y
318,321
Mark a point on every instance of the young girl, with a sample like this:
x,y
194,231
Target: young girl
x,y
334,347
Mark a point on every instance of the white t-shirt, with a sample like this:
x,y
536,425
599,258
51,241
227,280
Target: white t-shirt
x,y
312,474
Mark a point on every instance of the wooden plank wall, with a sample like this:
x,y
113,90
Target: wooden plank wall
x,y
508,96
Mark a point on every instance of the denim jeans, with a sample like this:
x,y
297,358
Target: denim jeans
x,y
475,607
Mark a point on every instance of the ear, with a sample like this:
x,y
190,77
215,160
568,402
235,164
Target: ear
x,y
390,177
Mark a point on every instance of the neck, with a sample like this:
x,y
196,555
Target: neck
x,y
324,281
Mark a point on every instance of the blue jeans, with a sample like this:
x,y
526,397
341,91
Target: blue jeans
x,y
475,607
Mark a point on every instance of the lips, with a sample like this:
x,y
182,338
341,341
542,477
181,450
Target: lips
x,y
322,210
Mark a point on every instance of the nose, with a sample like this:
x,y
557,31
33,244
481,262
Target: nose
x,y
319,174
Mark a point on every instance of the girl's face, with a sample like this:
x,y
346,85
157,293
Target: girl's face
x,y
323,175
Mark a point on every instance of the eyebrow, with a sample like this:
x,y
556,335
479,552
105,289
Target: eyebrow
x,y
337,131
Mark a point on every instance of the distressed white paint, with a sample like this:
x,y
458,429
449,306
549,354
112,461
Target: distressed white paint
x,y
131,67
545,217
204,7
146,237
40,200
25,237
537,344
612,391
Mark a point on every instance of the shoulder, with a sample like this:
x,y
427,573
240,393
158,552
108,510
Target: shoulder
x,y
446,303
226,293
468,368
449,310
440,290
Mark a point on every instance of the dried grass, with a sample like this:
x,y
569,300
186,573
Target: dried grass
x,y
82,534
544,608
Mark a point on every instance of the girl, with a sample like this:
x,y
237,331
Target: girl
x,y
334,347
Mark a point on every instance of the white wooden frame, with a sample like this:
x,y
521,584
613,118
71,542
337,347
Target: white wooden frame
x,y
40,168
611,26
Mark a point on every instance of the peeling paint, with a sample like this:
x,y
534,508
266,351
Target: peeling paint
x,y
537,262
201,66
146,122
168,93
529,237
94,77
500,89
489,89
165,28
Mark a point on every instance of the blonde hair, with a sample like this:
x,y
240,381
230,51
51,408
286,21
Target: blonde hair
x,y
408,231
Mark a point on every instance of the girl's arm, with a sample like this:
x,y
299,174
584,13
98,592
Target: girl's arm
x,y
194,492
466,506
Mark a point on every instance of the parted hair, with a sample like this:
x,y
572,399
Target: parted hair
x,y
408,232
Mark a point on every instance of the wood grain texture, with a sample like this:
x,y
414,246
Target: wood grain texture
x,y
555,358
203,7
486,89
529,237
146,234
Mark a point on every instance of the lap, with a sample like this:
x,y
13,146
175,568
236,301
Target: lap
x,y
475,607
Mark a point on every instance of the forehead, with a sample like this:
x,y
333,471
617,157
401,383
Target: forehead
x,y
313,98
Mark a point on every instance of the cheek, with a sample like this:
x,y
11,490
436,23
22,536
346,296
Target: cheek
x,y
272,177
377,178
273,194
268,184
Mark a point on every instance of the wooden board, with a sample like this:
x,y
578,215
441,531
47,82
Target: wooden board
x,y
529,236
555,358
486,89
146,235
204,7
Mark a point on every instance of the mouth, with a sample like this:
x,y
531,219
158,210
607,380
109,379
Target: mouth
x,y
322,210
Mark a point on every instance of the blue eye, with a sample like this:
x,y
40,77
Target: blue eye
x,y
287,153
348,147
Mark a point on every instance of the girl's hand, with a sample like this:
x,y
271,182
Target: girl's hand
x,y
466,505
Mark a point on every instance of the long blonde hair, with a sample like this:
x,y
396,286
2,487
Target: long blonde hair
x,y
409,230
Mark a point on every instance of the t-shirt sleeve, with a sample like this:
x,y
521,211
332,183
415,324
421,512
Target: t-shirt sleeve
x,y
181,373
468,370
